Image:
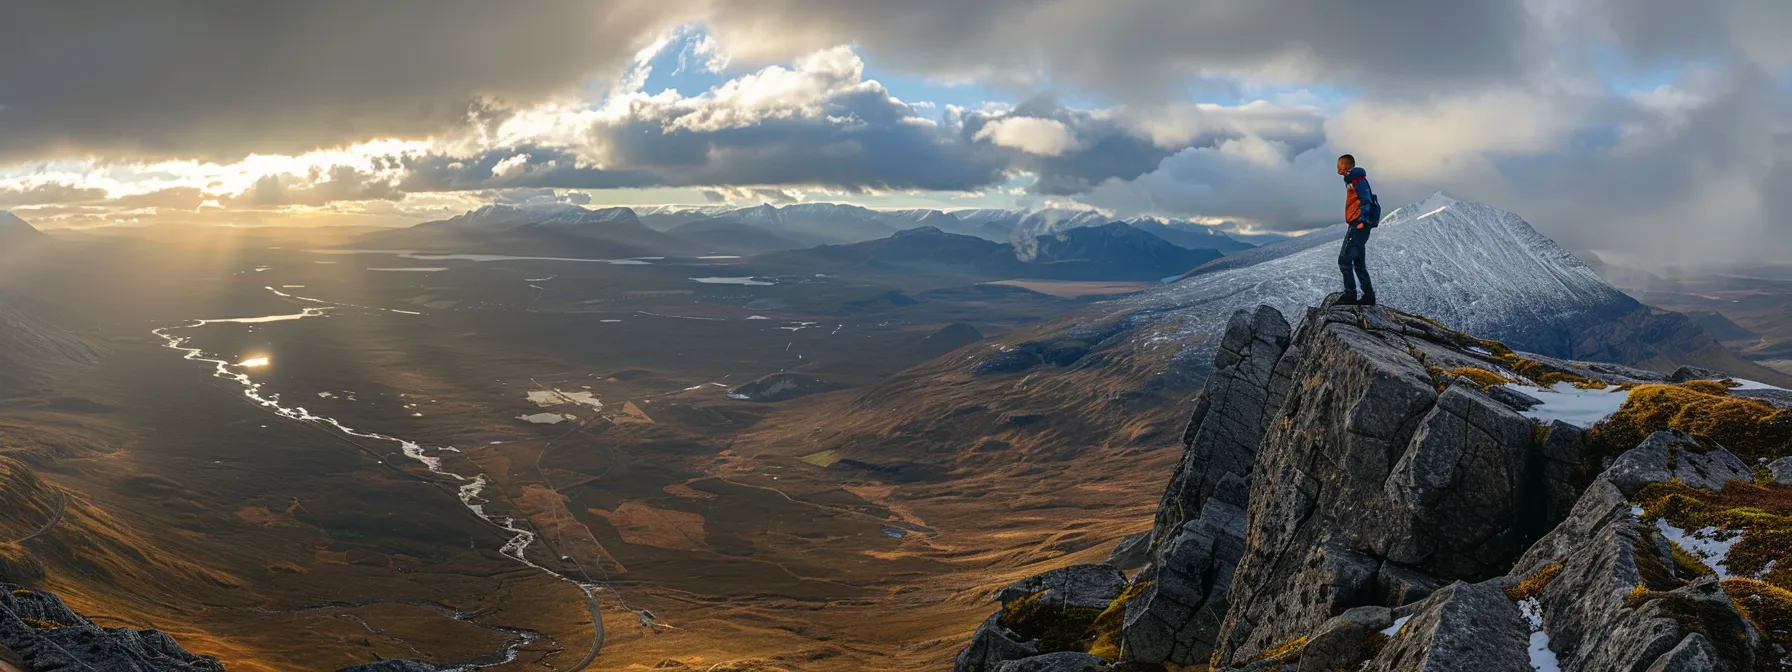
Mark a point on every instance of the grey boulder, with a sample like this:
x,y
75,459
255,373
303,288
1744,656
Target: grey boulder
x,y
1672,455
1062,661
1085,586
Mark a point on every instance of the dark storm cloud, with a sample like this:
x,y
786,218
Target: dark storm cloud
x,y
226,77
1147,48
220,78
1657,32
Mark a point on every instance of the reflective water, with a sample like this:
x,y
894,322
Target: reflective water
x,y
733,281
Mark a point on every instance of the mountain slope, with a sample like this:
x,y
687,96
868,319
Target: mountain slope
x,y
16,231
1112,251
1271,251
728,236
1471,266
1190,236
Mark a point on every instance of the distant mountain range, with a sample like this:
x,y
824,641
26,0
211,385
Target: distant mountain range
x,y
989,243
811,224
1113,251
560,230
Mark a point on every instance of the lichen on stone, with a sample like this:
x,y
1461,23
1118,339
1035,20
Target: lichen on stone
x,y
1284,653
1531,585
1479,376
1106,629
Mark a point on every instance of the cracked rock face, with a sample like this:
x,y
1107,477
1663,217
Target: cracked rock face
x,y
1230,416
1371,487
1350,498
1464,626
1593,613
1198,537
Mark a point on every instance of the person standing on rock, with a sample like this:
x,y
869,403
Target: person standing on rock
x,y
1362,212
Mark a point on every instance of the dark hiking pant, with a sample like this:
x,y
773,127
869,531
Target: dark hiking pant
x,y
1351,262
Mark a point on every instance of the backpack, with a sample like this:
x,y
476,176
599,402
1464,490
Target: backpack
x,y
1374,208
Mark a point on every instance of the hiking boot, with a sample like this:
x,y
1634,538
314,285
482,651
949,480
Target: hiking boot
x,y
1347,300
1367,300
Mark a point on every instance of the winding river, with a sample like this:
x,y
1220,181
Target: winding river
x,y
471,488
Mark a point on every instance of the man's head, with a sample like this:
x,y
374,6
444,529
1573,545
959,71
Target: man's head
x,y
1345,163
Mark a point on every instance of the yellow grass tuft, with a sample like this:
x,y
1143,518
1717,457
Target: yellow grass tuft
x,y
1750,428
1534,584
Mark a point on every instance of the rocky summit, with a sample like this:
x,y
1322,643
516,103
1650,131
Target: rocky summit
x,y
1375,491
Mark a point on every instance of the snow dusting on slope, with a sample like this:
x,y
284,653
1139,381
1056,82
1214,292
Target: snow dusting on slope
x,y
1572,405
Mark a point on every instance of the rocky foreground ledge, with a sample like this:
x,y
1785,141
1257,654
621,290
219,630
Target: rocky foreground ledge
x,y
1375,491
39,633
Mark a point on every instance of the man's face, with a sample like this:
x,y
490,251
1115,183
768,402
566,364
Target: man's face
x,y
1343,167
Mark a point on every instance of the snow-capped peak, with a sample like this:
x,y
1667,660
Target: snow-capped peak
x,y
1469,265
1429,206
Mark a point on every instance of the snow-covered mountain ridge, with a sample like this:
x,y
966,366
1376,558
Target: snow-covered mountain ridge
x,y
1472,266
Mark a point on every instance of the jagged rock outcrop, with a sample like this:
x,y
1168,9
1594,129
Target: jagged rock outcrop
x,y
1616,601
1602,591
1673,456
50,637
1372,487
1198,536
1367,492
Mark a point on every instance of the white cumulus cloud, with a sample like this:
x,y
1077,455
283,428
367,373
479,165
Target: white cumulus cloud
x,y
1044,137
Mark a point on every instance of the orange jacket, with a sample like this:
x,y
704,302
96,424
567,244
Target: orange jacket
x,y
1356,195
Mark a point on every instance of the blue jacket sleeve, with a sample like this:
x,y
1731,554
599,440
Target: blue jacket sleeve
x,y
1364,197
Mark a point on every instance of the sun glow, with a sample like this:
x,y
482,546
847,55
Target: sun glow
x,y
253,362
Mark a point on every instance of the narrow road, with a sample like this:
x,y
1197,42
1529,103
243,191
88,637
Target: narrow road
x,y
61,508
597,628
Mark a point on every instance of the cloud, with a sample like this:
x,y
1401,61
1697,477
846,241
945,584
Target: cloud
x,y
1147,50
216,78
47,193
1044,137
